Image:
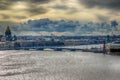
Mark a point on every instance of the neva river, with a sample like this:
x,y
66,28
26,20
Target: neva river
x,y
53,65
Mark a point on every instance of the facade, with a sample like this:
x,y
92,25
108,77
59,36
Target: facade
x,y
6,45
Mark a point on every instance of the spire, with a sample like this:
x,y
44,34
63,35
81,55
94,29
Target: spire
x,y
8,34
8,31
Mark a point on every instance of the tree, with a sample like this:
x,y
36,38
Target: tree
x,y
114,23
14,37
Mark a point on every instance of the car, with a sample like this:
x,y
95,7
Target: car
x,y
114,47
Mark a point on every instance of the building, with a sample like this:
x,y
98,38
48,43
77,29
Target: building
x,y
8,34
7,41
1,37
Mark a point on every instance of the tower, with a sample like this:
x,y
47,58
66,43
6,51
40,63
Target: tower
x,y
8,34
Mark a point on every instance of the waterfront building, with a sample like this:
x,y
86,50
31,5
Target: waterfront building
x,y
7,45
8,34
3,39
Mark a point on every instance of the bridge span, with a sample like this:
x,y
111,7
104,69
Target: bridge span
x,y
55,48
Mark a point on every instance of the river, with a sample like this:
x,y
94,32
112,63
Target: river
x,y
58,65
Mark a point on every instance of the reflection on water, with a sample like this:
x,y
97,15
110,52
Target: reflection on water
x,y
51,65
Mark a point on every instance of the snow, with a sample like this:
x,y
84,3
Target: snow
x,y
55,65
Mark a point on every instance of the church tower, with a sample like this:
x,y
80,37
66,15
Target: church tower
x,y
8,34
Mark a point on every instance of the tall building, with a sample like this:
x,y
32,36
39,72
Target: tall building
x,y
8,34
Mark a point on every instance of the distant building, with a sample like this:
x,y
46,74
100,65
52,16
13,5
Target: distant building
x,y
8,34
1,37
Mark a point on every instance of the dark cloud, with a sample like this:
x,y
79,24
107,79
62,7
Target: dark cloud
x,y
72,11
110,4
34,1
69,10
4,16
33,10
31,1
39,1
20,17
73,27
103,17
3,7
4,4
60,7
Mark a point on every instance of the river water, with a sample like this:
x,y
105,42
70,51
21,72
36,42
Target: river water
x,y
56,65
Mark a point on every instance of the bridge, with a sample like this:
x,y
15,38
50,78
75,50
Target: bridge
x,y
55,48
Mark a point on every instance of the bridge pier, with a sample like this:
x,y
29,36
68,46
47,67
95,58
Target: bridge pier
x,y
58,49
40,49
72,49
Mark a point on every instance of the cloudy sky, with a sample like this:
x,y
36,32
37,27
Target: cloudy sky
x,y
82,10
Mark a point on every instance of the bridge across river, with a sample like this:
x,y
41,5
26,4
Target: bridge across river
x,y
55,48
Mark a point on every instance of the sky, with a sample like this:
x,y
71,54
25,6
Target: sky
x,y
82,10
21,11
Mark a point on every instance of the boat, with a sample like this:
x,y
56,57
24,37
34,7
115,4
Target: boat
x,y
114,47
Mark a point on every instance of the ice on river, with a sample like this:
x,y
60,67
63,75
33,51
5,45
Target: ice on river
x,y
53,65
